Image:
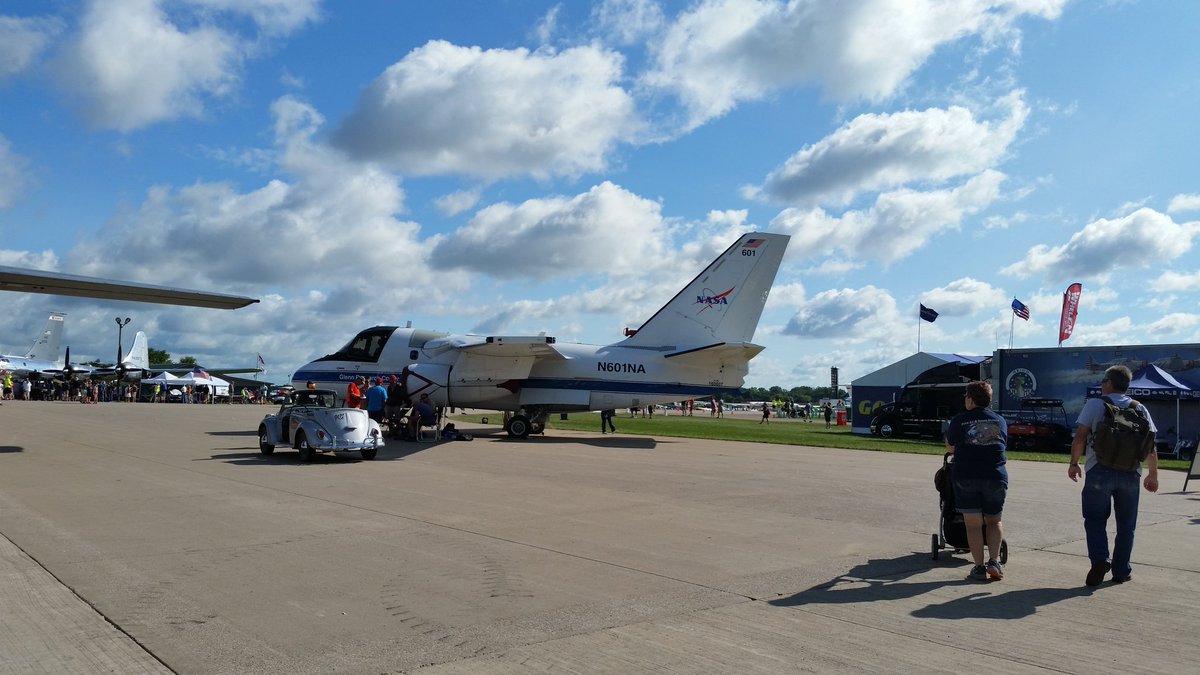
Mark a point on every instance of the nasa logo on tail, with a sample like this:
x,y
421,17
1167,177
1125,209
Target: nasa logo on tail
x,y
710,299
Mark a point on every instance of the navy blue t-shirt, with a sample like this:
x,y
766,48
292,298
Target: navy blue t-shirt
x,y
979,438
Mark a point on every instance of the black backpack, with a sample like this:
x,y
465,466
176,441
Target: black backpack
x,y
1123,438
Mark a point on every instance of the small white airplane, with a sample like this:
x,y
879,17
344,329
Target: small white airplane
x,y
697,345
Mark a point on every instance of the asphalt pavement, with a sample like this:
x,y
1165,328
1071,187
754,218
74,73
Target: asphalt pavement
x,y
155,538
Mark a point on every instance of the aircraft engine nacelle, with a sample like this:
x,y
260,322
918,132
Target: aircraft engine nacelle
x,y
428,378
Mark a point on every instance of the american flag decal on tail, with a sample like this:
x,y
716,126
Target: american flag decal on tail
x,y
753,243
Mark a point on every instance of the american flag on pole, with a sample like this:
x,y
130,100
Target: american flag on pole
x,y
1020,309
262,365
200,372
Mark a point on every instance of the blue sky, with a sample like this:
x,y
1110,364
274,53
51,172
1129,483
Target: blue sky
x,y
515,167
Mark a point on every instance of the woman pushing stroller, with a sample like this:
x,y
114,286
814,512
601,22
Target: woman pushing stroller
x,y
978,439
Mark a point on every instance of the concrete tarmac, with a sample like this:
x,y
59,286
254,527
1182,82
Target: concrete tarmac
x,y
155,538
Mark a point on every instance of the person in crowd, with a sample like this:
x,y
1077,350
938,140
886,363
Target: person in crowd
x,y
766,413
354,394
377,398
310,385
1108,490
978,439
829,415
423,415
397,404
606,421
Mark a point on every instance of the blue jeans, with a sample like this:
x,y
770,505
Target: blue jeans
x,y
1103,490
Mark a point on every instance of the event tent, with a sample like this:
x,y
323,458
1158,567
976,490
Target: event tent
x,y
1153,383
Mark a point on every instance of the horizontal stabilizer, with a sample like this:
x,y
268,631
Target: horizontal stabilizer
x,y
721,353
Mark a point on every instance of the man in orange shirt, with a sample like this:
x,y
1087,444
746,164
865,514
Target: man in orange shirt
x,y
354,396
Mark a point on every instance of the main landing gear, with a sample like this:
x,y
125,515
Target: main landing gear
x,y
520,425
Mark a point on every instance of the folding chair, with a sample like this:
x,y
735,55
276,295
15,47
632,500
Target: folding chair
x,y
434,430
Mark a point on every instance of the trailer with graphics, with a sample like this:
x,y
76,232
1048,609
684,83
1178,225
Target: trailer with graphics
x,y
926,405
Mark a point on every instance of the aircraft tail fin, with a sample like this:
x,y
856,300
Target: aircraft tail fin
x,y
45,346
139,353
721,305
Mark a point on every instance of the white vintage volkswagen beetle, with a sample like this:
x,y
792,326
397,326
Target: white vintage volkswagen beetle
x,y
310,421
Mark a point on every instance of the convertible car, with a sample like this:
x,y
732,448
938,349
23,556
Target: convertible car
x,y
310,421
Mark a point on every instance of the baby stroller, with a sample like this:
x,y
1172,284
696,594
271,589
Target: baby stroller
x,y
952,531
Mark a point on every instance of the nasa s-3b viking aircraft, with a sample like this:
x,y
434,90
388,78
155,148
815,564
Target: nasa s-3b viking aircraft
x,y
697,345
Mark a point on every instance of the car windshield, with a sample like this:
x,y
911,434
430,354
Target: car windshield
x,y
323,399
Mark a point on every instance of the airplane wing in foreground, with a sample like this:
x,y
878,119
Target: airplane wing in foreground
x,y
54,283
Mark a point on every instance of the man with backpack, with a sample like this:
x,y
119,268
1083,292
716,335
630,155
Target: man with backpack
x,y
1116,435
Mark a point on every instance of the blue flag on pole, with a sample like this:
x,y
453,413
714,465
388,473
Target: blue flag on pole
x,y
928,314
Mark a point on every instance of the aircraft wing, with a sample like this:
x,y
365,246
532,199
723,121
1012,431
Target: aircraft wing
x,y
540,346
716,354
54,283
210,371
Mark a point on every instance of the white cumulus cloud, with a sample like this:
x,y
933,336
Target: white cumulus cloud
x,y
133,65
331,228
965,297
846,313
492,113
875,152
1171,281
898,224
22,40
721,52
1139,239
606,229
1184,203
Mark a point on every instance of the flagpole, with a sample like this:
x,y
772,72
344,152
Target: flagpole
x,y
919,320
1012,321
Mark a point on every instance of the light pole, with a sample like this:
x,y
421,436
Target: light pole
x,y
120,327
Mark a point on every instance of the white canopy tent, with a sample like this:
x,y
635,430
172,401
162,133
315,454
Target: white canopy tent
x,y
216,385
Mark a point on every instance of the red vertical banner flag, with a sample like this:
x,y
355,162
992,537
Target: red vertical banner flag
x,y
1070,309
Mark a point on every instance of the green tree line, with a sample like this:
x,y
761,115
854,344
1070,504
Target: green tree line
x,y
777,393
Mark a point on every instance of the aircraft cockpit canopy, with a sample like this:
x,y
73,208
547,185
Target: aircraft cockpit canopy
x,y
364,347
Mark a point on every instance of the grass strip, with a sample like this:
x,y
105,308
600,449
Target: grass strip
x,y
782,431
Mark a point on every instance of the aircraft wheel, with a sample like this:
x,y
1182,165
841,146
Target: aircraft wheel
x,y
519,426
265,446
537,428
306,451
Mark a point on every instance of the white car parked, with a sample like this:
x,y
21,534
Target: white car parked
x,y
310,421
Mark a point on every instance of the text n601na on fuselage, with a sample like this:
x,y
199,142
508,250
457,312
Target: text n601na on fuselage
x,y
697,345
